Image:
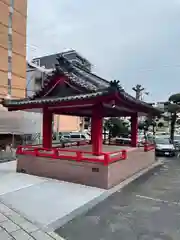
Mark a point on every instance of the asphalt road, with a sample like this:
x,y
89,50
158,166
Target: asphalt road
x,y
147,209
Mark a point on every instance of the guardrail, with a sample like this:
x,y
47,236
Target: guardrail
x,y
148,147
74,155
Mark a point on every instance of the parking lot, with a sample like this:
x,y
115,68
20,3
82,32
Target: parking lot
x,y
147,209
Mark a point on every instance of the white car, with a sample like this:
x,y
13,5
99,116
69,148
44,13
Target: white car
x,y
76,136
164,147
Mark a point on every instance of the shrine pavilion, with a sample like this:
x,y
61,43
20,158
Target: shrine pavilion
x,y
72,89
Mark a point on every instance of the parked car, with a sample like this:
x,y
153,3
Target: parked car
x,y
75,136
127,140
177,141
122,140
164,147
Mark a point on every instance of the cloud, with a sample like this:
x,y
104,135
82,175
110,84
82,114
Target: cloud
x,y
133,41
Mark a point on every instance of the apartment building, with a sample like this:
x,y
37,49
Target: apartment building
x,y
36,72
50,60
13,15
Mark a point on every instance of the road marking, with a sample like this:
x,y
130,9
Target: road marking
x,y
159,200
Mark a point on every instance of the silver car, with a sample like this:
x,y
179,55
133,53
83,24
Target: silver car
x,y
164,147
177,141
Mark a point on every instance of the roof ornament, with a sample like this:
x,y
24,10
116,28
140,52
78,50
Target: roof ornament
x,y
58,69
116,86
64,63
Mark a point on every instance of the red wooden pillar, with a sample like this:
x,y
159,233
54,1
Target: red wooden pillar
x,y
96,130
134,130
47,128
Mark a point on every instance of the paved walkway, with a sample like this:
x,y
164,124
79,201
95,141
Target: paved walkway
x,y
31,207
147,209
14,226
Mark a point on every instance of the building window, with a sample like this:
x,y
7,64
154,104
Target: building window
x,y
9,53
10,37
10,44
11,9
36,61
10,67
10,20
9,75
10,30
9,59
38,81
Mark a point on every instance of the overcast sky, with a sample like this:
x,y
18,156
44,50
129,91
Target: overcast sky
x,y
134,41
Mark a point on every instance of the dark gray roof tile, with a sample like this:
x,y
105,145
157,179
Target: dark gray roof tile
x,y
13,102
92,84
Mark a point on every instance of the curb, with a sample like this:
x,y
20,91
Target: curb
x,y
85,208
7,160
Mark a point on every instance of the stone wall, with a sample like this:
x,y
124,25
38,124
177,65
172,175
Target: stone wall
x,y
92,174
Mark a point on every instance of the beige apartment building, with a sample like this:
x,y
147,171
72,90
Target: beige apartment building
x,y
13,15
13,71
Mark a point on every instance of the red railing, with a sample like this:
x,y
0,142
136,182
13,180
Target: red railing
x,y
73,154
148,147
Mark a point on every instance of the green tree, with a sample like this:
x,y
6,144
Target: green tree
x,y
160,124
166,118
141,125
173,107
178,122
144,125
116,127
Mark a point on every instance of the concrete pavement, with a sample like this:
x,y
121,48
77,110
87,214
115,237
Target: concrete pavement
x,y
32,207
148,208
14,225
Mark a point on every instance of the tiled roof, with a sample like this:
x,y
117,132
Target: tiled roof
x,y
92,84
80,77
43,89
18,102
87,79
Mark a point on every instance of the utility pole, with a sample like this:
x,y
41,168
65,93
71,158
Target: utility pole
x,y
138,90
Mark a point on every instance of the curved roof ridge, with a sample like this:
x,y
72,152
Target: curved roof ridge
x,y
41,69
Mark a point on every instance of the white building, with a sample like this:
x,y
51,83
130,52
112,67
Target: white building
x,y
21,122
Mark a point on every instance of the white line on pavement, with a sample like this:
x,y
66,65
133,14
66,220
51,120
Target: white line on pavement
x,y
158,200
